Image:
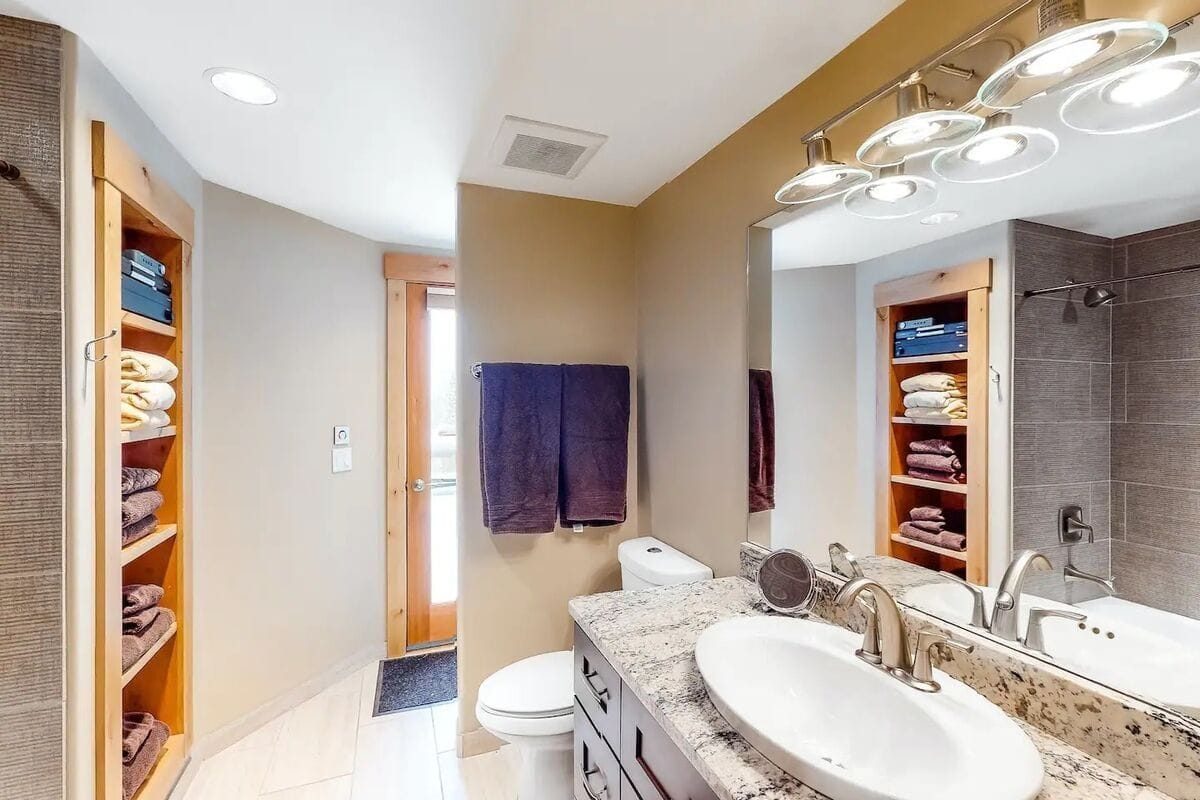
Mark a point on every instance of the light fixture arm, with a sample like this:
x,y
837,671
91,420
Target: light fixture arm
x,y
1066,287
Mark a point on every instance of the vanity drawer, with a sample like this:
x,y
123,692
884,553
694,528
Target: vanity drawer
x,y
596,770
598,690
656,768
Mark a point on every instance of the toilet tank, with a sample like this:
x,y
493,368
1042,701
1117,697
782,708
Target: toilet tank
x,y
647,562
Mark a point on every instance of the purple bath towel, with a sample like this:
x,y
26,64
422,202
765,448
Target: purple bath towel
x,y
942,447
936,475
136,727
595,444
137,597
134,646
946,539
762,441
135,624
138,530
134,774
932,513
929,525
140,505
520,413
134,479
935,462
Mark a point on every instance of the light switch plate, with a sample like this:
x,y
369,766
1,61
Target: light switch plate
x,y
341,434
342,461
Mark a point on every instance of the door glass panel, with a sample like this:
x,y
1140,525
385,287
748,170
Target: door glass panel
x,y
442,447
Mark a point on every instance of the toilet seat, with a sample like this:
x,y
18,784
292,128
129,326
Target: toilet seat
x,y
532,697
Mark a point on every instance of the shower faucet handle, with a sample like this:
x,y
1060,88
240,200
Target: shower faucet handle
x,y
1071,526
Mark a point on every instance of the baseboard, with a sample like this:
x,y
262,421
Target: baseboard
x,y
243,726
473,743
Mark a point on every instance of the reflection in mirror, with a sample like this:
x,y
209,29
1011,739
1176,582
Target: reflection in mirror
x,y
1000,384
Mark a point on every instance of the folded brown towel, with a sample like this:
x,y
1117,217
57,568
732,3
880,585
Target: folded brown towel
x,y
136,727
134,479
138,530
946,539
932,513
137,623
929,525
941,447
134,774
933,461
140,505
134,646
936,475
137,597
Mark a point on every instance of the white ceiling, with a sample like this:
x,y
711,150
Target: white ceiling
x,y
1106,185
386,104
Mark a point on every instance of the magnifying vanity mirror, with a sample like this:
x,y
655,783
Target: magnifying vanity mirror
x,y
977,364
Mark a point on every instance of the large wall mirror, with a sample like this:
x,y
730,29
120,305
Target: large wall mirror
x,y
974,341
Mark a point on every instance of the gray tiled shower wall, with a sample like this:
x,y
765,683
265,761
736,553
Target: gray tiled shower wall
x,y
31,415
1107,412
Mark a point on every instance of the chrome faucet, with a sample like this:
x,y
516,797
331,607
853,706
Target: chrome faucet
x,y
1006,613
889,632
1073,574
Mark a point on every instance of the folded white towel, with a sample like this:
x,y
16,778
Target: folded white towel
x,y
147,395
139,366
933,382
931,399
956,409
133,418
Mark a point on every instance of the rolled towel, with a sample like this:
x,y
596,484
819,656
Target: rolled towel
x,y
136,645
139,366
136,727
955,410
935,475
148,395
138,530
932,399
140,505
134,479
134,418
942,447
933,382
139,622
946,539
137,597
934,462
134,774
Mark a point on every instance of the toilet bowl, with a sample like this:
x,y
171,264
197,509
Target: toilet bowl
x,y
530,703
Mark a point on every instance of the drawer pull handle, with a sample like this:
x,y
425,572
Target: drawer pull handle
x,y
600,694
587,783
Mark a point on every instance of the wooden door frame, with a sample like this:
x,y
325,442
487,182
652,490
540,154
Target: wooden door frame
x,y
400,269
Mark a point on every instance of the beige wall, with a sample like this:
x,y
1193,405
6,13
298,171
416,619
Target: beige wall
x,y
691,255
540,279
288,557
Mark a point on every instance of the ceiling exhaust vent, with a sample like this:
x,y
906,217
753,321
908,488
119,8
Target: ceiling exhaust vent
x,y
541,147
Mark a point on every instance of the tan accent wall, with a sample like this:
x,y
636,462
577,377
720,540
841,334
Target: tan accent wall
x,y
540,279
691,283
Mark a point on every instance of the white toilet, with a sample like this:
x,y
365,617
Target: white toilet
x,y
531,703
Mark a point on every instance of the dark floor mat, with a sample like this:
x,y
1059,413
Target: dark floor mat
x,y
416,681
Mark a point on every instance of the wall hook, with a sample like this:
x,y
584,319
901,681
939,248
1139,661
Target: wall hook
x,y
89,347
995,374
9,171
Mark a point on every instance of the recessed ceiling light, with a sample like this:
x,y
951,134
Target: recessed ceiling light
x,y
245,87
940,218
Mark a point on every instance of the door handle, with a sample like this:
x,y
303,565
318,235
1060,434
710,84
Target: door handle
x,y
419,485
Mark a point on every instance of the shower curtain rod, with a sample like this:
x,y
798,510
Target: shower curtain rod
x,y
1066,287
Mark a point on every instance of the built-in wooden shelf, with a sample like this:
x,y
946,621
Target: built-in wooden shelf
x,y
145,434
139,323
136,550
930,359
952,423
957,488
149,655
959,555
166,772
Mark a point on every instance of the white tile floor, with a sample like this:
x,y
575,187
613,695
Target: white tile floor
x,y
331,748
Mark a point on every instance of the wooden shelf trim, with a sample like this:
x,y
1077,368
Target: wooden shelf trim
x,y
951,423
166,772
139,323
145,434
958,555
934,359
137,666
136,550
957,488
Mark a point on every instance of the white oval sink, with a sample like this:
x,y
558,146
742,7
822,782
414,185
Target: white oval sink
x,y
795,690
1151,653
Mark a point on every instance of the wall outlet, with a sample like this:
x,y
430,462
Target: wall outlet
x,y
342,461
341,434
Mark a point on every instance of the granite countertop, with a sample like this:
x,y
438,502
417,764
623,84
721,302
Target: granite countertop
x,y
649,637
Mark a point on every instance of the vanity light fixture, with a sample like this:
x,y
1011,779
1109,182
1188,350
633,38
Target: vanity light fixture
x,y
1156,92
245,87
940,218
1001,150
917,130
892,195
824,178
1071,50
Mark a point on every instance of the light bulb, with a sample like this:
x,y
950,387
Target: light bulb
x,y
892,191
993,149
1148,85
1064,59
915,132
824,178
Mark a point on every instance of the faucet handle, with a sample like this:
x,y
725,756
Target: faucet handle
x,y
978,609
1034,636
927,640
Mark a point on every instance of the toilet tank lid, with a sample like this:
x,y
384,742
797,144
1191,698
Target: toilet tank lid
x,y
659,563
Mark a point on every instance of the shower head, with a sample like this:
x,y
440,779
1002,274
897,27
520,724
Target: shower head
x,y
1098,296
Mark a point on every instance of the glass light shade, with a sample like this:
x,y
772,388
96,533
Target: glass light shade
x,y
824,178
1148,95
1077,54
917,130
1002,150
891,196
